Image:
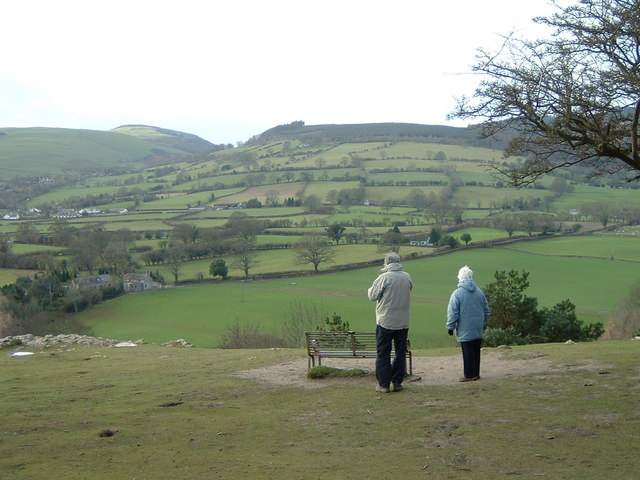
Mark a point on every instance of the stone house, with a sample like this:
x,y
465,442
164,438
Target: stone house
x,y
137,282
92,281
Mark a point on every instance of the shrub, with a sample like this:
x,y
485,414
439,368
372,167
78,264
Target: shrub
x,y
494,337
303,315
335,324
516,320
561,324
247,336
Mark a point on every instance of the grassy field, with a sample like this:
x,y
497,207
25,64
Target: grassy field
x,y
158,413
203,313
596,247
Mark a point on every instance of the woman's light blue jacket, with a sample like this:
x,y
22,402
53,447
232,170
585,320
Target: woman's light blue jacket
x,y
467,312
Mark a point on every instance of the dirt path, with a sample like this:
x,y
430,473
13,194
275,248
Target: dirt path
x,y
496,364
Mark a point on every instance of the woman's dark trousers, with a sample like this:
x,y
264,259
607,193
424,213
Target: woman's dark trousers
x,y
471,358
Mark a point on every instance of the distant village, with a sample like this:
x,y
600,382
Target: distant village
x,y
65,213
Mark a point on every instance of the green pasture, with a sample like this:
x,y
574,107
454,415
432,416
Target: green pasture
x,y
9,275
176,201
143,180
369,218
602,247
472,213
204,311
479,235
322,189
59,195
262,192
278,239
264,213
279,260
482,177
19,248
452,152
488,197
210,222
584,195
219,181
135,223
625,230
409,163
407,177
397,193
338,154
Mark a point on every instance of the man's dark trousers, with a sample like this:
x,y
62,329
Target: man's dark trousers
x,y
388,372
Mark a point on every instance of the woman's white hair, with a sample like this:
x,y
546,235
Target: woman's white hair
x,y
465,273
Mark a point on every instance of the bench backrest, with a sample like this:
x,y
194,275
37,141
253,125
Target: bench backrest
x,y
353,342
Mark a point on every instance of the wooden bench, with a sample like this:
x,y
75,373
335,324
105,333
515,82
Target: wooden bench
x,y
345,345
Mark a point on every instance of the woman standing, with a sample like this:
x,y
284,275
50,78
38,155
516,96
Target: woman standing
x,y
467,314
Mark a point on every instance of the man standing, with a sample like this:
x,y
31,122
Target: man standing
x,y
467,314
391,290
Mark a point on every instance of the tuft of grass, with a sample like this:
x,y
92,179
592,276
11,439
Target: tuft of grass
x,y
332,372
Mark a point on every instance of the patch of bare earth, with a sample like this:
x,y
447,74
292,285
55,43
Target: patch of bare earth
x,y
496,364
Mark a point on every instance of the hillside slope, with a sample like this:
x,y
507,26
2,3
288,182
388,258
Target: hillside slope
x,y
185,142
375,132
45,152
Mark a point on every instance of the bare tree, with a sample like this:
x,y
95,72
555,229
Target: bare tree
x,y
244,257
625,320
314,250
304,315
176,257
570,99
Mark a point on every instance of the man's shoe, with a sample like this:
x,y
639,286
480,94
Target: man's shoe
x,y
397,387
465,379
380,389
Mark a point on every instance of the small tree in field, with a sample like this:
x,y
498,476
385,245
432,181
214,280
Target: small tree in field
x,y
314,250
245,259
335,232
391,240
218,268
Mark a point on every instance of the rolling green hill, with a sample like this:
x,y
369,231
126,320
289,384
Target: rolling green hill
x,y
166,138
374,132
55,152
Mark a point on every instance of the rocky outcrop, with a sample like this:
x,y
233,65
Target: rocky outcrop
x,y
33,341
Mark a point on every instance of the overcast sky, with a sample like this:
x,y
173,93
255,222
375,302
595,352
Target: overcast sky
x,y
226,70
